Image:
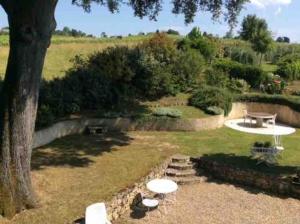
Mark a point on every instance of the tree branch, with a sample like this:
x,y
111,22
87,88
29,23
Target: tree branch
x,y
4,4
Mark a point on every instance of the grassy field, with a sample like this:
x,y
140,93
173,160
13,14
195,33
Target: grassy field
x,y
63,49
78,170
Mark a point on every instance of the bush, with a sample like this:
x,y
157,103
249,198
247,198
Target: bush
x,y
213,110
251,74
220,79
187,69
243,56
289,70
207,46
238,86
170,112
217,78
291,101
273,84
118,76
207,96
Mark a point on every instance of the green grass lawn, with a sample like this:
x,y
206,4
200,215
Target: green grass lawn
x,y
268,67
190,112
78,170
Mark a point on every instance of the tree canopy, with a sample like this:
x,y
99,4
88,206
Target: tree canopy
x,y
255,30
252,26
188,8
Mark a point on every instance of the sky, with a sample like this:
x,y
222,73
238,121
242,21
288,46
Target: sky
x,y
282,16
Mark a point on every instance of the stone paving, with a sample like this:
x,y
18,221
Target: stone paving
x,y
213,203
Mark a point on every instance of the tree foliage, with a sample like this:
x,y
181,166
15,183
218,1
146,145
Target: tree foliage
x,y
252,26
151,8
255,30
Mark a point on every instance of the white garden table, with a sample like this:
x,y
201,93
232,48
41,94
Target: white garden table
x,y
260,116
162,187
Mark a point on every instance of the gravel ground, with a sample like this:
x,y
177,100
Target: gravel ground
x,y
221,203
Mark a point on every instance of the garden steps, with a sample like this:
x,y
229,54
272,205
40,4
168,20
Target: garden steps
x,y
182,171
181,166
189,180
180,159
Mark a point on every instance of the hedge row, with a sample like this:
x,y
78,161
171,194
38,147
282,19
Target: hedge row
x,y
251,74
291,101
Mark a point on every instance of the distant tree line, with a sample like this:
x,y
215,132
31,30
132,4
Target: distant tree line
x,y
283,40
66,31
4,30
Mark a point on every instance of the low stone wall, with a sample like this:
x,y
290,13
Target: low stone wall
x,y
270,183
285,114
77,126
123,200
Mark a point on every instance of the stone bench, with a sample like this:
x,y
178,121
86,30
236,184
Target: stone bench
x,y
97,129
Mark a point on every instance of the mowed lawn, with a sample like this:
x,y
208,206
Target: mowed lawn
x,y
78,170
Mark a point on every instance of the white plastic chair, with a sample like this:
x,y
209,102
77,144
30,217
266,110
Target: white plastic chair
x,y
272,121
245,116
96,214
149,203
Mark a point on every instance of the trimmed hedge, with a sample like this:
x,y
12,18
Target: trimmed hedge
x,y
253,75
169,112
291,101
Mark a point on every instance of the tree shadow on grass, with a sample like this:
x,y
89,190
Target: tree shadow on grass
x,y
77,150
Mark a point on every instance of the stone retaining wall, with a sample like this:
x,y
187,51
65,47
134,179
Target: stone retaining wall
x,y
76,126
270,183
123,200
285,114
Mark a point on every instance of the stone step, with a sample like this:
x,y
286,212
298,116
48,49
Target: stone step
x,y
180,159
189,180
180,173
180,166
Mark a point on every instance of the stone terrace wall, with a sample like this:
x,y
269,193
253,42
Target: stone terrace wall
x,y
270,183
123,200
76,126
285,114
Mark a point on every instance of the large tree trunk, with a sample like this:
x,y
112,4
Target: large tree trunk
x,y
31,24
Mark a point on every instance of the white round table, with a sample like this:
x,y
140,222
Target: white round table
x,y
162,186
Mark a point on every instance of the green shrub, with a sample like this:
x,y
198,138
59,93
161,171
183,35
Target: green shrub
x,y
291,101
219,78
251,74
207,46
187,69
45,116
207,96
242,55
213,110
169,112
238,86
118,76
289,70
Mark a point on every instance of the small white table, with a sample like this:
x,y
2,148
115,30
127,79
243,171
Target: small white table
x,y
162,186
